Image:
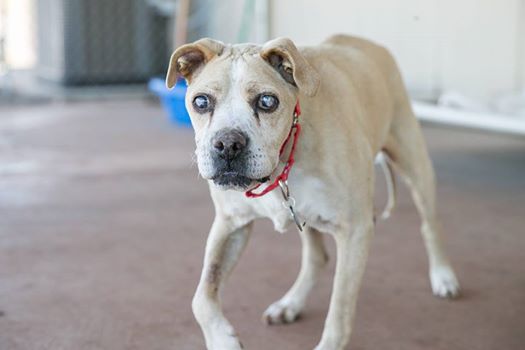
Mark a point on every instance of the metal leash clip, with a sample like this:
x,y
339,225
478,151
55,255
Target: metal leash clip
x,y
289,203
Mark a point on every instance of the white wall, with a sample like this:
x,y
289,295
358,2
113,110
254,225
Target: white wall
x,y
229,17
20,39
471,46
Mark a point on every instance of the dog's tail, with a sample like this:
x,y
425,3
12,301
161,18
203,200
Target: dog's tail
x,y
386,166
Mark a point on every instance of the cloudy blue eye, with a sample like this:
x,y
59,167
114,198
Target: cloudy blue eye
x,y
267,103
201,103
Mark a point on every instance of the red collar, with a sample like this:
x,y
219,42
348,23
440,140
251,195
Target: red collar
x,y
289,163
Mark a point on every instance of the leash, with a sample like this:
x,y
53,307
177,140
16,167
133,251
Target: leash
x,y
281,180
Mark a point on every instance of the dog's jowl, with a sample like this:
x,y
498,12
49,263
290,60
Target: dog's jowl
x,y
277,123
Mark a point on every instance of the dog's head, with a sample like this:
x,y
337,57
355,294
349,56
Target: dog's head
x,y
241,100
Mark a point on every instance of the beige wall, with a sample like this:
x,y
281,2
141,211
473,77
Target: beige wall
x,y
471,46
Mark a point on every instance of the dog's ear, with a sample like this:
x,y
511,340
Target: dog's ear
x,y
283,56
190,57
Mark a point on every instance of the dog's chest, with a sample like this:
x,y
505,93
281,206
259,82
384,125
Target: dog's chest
x,y
313,205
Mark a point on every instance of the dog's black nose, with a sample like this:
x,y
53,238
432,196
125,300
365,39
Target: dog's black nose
x,y
229,143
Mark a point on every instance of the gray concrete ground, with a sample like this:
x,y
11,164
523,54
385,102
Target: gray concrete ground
x,y
103,221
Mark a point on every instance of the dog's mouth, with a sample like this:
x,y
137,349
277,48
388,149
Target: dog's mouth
x,y
235,180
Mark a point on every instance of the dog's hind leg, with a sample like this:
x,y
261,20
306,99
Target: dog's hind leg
x,y
314,258
223,248
407,149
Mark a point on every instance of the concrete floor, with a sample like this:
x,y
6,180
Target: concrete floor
x,y
103,221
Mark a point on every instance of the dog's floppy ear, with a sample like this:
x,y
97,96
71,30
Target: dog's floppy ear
x,y
283,56
188,58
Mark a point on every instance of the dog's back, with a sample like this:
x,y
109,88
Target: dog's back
x,y
359,70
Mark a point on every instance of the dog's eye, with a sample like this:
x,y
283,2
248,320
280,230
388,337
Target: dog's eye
x,y
201,103
267,103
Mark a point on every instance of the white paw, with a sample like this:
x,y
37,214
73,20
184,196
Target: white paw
x,y
330,345
444,282
222,337
281,312
225,342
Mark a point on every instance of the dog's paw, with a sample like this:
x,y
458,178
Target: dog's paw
x,y
225,341
281,312
220,335
331,344
444,282
230,344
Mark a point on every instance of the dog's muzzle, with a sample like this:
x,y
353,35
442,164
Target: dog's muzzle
x,y
229,155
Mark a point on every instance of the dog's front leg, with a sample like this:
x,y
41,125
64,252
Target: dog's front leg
x,y
314,258
352,252
223,248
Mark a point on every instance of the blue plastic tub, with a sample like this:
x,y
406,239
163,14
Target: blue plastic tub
x,y
172,100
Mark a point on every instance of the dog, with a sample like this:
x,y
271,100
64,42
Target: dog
x,y
276,124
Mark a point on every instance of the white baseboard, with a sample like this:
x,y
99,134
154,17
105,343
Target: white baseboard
x,y
485,121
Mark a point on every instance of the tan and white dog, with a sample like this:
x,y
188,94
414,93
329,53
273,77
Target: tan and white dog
x,y
241,100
